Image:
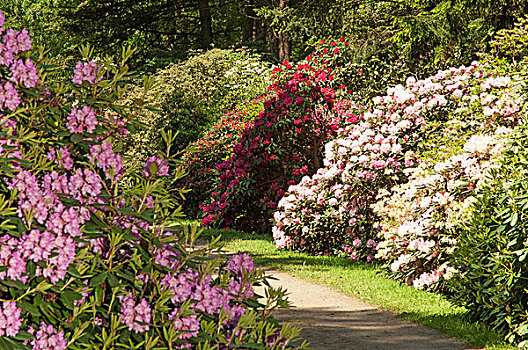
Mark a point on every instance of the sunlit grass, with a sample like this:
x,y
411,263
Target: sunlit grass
x,y
366,283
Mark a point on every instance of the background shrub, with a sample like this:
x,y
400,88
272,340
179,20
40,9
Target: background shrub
x,y
191,95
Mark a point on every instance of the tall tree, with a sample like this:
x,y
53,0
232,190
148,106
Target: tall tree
x,y
205,23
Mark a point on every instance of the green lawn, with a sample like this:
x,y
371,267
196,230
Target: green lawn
x,y
364,282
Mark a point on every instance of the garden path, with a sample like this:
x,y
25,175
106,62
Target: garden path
x,y
331,320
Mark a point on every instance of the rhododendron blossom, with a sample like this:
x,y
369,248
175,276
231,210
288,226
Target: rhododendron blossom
x,y
136,316
85,72
81,119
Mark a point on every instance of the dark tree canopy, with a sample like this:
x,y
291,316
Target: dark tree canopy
x,y
421,33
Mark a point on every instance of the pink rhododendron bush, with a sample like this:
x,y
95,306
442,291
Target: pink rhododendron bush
x,y
85,262
332,211
283,143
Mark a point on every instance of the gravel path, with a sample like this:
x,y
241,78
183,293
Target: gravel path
x,y
331,320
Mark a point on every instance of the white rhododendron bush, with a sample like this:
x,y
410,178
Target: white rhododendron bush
x,y
406,135
421,218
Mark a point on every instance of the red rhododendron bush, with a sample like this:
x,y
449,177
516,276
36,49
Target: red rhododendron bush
x,y
213,147
406,134
86,262
284,142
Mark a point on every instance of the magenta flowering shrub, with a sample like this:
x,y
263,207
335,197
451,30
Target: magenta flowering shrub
x,y
282,144
331,211
87,262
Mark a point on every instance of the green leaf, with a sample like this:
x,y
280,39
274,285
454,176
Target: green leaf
x,y
98,279
24,336
10,344
73,271
153,168
127,211
112,280
43,286
254,346
76,138
514,219
69,297
16,284
27,307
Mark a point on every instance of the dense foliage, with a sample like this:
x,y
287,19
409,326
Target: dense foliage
x,y
203,155
492,251
86,262
190,96
424,34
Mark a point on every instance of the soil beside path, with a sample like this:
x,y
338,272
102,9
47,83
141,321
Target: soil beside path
x,y
331,320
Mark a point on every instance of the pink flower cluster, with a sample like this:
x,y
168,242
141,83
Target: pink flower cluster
x,y
10,321
136,316
81,119
189,326
106,159
47,338
55,246
208,297
62,156
240,264
9,98
85,72
421,218
12,43
24,73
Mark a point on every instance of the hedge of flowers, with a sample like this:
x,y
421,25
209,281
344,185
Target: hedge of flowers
x,y
332,211
422,218
86,262
283,143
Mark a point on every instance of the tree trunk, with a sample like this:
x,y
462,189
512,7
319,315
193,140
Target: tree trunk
x,y
284,46
248,27
317,162
206,33
284,38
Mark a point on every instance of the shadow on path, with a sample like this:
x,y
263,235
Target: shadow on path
x,y
331,320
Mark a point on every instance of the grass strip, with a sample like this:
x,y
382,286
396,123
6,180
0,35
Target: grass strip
x,y
366,283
